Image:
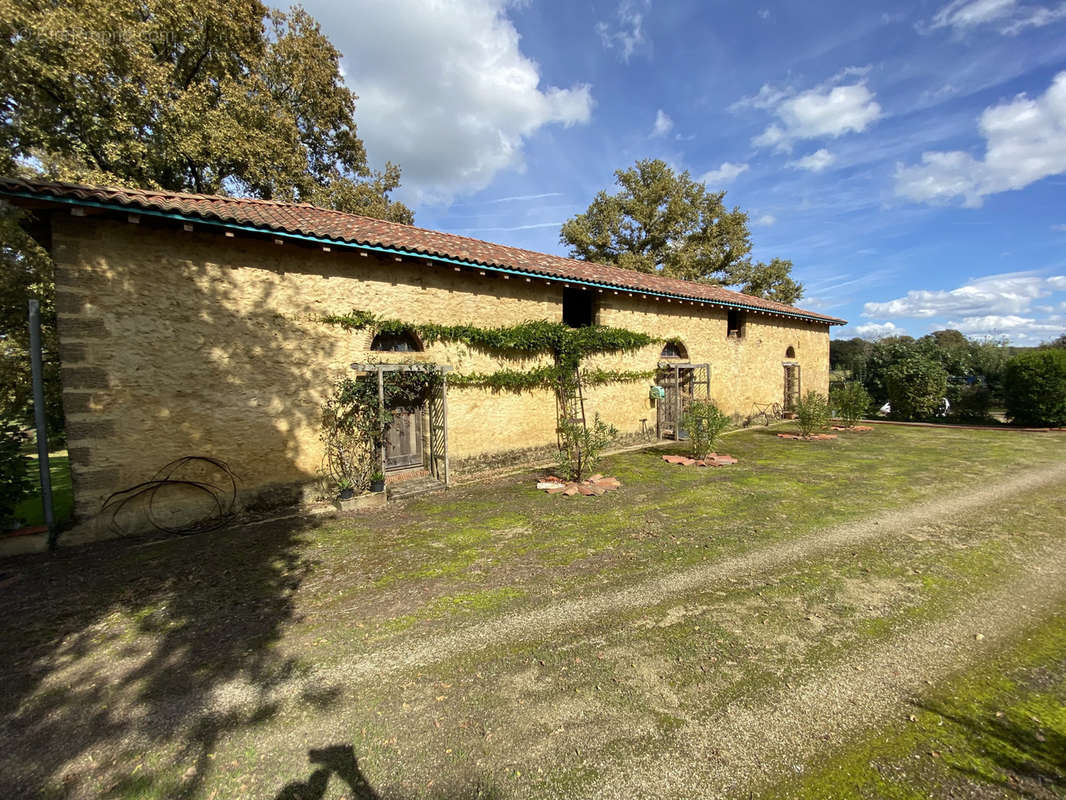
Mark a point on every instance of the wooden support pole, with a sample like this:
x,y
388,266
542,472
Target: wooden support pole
x,y
381,415
444,403
677,419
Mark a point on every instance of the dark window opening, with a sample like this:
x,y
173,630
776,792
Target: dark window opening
x,y
396,343
674,350
791,352
735,323
579,310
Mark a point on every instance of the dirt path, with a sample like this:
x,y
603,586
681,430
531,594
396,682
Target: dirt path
x,y
734,750
541,622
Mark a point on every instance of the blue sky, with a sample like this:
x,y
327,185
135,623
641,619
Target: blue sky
x,y
909,158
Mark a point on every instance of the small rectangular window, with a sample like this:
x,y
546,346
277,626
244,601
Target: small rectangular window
x,y
735,323
579,310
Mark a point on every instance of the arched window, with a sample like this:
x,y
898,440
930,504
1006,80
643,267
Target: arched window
x,y
404,342
674,349
791,352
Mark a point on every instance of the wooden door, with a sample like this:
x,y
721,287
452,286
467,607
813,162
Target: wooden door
x,y
403,440
678,384
792,386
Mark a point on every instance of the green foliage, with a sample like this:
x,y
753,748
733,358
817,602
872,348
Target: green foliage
x,y
850,401
581,446
705,424
812,412
187,95
850,355
916,386
25,272
1058,342
662,222
197,95
1035,388
354,423
883,354
970,402
15,480
966,361
354,320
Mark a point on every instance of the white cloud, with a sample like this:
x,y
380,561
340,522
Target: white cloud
x,y
1025,141
815,162
1008,16
829,110
517,198
879,330
994,295
726,173
663,124
764,13
766,220
1059,228
1016,327
935,96
962,14
627,32
1035,17
766,98
445,90
531,226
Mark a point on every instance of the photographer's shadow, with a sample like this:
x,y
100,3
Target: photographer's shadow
x,y
337,760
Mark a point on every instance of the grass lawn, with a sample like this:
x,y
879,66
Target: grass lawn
x,y
31,509
495,641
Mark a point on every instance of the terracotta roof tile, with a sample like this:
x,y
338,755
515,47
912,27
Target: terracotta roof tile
x,y
308,220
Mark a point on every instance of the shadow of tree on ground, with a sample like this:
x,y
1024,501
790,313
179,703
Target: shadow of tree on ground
x,y
1022,755
107,652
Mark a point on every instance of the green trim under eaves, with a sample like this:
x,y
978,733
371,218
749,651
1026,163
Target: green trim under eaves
x,y
73,201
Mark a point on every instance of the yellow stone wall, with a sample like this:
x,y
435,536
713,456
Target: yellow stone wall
x,y
177,343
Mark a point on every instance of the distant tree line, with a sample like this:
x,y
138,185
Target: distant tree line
x,y
976,377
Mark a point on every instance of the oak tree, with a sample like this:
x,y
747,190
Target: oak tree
x,y
207,96
664,222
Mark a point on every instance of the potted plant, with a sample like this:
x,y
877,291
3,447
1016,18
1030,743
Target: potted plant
x,y
345,490
377,482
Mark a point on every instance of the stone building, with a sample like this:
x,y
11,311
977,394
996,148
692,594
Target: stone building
x,y
192,324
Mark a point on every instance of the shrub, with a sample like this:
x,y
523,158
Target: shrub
x,y
850,402
970,402
705,423
812,412
581,446
15,480
1035,388
916,388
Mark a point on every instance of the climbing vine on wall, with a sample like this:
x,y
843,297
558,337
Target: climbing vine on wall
x,y
355,422
568,346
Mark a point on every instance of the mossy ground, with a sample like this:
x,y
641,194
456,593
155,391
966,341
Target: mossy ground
x,y
218,665
996,730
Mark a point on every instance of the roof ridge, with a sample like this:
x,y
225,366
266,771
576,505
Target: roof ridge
x,y
137,190
361,230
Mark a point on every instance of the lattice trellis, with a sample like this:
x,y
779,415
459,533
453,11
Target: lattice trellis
x,y
683,383
436,408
